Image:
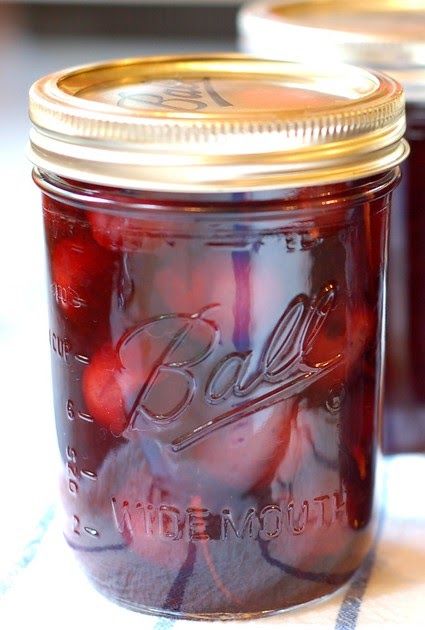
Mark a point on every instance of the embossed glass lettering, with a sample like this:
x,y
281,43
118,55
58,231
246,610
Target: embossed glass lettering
x,y
173,361
172,523
233,386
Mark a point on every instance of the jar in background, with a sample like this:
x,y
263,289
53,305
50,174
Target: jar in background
x,y
216,233
405,378
390,37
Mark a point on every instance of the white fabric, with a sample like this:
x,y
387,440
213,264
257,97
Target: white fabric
x,y
44,587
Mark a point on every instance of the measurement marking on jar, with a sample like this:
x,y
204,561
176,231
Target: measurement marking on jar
x,y
67,297
81,358
71,454
85,416
61,346
72,470
88,474
76,525
72,413
72,487
91,531
78,529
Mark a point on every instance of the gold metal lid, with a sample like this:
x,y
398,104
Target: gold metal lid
x,y
215,123
388,35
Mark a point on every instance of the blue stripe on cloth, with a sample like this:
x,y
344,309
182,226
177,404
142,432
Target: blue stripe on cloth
x,y
349,612
350,608
335,579
29,552
176,594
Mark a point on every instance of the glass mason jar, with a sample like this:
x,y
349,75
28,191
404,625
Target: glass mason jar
x,y
405,365
216,233
388,36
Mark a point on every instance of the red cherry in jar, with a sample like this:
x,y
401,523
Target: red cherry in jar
x,y
81,278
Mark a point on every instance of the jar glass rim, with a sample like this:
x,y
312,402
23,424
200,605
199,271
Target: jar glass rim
x,y
264,205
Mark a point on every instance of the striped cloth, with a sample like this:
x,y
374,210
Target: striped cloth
x,y
45,587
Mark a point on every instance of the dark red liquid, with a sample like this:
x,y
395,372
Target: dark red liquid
x,y
405,386
217,389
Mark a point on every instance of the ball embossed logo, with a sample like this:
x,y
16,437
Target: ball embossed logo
x,y
223,387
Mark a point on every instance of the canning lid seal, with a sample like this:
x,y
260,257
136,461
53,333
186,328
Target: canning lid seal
x,y
216,123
